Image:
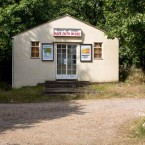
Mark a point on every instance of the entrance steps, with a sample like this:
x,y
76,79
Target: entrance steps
x,y
67,87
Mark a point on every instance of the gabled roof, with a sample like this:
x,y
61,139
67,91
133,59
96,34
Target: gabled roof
x,y
67,15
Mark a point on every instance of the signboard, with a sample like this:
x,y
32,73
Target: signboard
x,y
47,51
68,32
86,52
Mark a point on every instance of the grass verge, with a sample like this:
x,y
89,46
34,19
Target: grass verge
x,y
104,91
22,95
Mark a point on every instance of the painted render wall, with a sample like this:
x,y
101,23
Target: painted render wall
x,y
29,72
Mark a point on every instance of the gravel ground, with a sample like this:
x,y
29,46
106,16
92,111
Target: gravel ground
x,y
84,122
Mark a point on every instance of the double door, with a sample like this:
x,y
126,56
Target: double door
x,y
66,61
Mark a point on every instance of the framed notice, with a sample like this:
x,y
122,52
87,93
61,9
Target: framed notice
x,y
86,52
47,51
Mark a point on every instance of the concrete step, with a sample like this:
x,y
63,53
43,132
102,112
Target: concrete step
x,y
67,82
66,87
63,91
67,91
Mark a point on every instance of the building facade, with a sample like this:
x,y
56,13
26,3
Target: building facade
x,y
64,48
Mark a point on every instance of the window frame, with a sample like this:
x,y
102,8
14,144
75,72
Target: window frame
x,y
97,58
35,46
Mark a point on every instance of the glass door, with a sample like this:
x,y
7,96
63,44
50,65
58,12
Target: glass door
x,y
61,59
66,61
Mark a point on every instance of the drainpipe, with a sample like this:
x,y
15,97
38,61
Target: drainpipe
x,y
12,62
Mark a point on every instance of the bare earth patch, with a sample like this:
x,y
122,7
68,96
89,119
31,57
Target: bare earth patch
x,y
84,122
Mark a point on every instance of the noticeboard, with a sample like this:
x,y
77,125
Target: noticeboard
x,y
47,51
86,52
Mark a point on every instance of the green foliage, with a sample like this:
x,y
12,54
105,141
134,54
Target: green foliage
x,y
89,11
16,17
4,86
124,72
126,20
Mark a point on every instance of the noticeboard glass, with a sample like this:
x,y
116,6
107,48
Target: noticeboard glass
x,y
86,52
47,51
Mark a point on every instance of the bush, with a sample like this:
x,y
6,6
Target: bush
x,y
136,76
131,75
123,73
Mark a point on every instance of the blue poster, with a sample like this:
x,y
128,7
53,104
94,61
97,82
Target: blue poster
x,y
47,51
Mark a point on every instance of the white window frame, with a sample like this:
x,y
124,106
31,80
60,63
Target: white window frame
x,y
34,57
102,51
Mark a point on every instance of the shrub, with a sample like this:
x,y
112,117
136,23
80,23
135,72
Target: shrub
x,y
4,86
123,73
136,76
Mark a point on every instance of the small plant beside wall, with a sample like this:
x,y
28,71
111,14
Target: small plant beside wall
x,y
4,86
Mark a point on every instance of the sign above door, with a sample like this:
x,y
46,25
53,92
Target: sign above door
x,y
67,32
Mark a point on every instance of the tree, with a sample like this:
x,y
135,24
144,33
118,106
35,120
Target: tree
x,y
126,20
17,16
90,11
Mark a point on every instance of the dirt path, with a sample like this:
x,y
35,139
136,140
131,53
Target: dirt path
x,y
95,122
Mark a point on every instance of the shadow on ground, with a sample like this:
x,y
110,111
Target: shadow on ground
x,y
19,116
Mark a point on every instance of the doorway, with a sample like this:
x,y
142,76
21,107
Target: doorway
x,y
66,61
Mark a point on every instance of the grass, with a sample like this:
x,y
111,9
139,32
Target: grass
x,y
140,129
120,90
137,130
136,76
132,132
22,95
133,87
104,91
32,95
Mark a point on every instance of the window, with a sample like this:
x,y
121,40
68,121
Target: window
x,y
35,49
98,50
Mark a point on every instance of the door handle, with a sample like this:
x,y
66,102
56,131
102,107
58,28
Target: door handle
x,y
64,61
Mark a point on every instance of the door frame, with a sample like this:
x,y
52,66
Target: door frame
x,y
66,76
